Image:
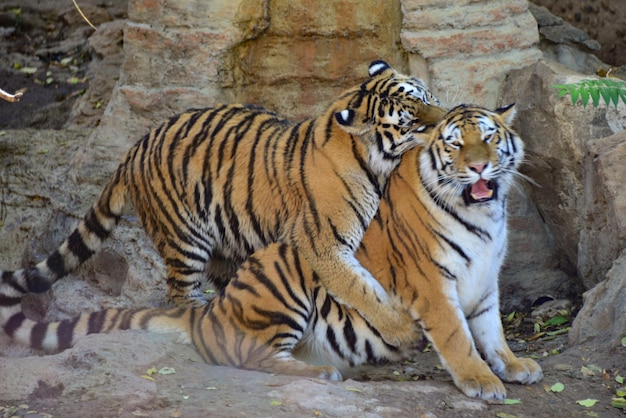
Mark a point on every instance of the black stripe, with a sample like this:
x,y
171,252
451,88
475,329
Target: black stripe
x,y
332,340
9,278
475,313
14,323
306,142
287,281
199,337
65,331
272,318
77,246
367,169
325,308
37,334
96,322
93,225
349,334
268,124
7,301
56,265
371,358
340,239
454,246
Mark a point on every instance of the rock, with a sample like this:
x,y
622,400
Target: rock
x,y
602,318
531,268
603,233
108,39
106,45
95,14
564,43
465,49
558,31
556,134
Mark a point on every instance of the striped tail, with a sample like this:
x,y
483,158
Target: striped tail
x,y
81,244
57,336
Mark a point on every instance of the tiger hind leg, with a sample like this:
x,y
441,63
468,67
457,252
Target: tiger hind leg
x,y
265,312
184,286
288,365
185,266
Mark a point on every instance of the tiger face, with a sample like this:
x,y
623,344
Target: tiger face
x,y
472,156
395,111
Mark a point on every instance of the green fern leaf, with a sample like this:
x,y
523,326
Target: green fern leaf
x,y
605,92
615,93
610,90
584,95
622,94
574,93
563,92
595,96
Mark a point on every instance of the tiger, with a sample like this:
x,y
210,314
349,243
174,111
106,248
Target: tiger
x,y
436,245
211,186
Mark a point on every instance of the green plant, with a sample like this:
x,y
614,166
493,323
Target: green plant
x,y
611,90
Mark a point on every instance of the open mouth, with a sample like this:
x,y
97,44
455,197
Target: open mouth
x,y
480,192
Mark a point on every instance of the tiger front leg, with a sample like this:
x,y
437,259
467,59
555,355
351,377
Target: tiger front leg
x,y
489,336
445,326
352,285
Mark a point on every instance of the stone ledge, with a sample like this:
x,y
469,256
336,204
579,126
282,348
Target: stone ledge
x,y
472,15
468,42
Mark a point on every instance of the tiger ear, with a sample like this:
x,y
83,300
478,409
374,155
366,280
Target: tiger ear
x,y
507,113
350,122
378,67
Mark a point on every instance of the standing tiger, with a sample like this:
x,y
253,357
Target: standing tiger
x,y
217,184
436,244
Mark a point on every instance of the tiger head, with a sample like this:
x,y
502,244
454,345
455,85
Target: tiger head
x,y
395,112
472,156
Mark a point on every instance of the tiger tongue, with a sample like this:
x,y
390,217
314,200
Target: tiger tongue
x,y
481,190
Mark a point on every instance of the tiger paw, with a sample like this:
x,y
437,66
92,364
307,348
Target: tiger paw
x,y
187,301
485,386
397,327
522,370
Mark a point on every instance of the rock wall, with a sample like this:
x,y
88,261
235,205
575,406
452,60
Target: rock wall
x,y
575,155
295,56
467,47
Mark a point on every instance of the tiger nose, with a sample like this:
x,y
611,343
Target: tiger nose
x,y
477,167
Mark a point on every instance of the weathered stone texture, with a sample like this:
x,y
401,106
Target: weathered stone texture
x,y
465,15
556,134
603,233
467,48
602,318
531,269
295,56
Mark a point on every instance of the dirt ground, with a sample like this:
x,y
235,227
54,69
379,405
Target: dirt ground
x,y
37,53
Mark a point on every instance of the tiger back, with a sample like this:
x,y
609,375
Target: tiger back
x,y
211,186
436,244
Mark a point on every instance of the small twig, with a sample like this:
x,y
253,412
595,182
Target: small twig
x,y
83,16
11,97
